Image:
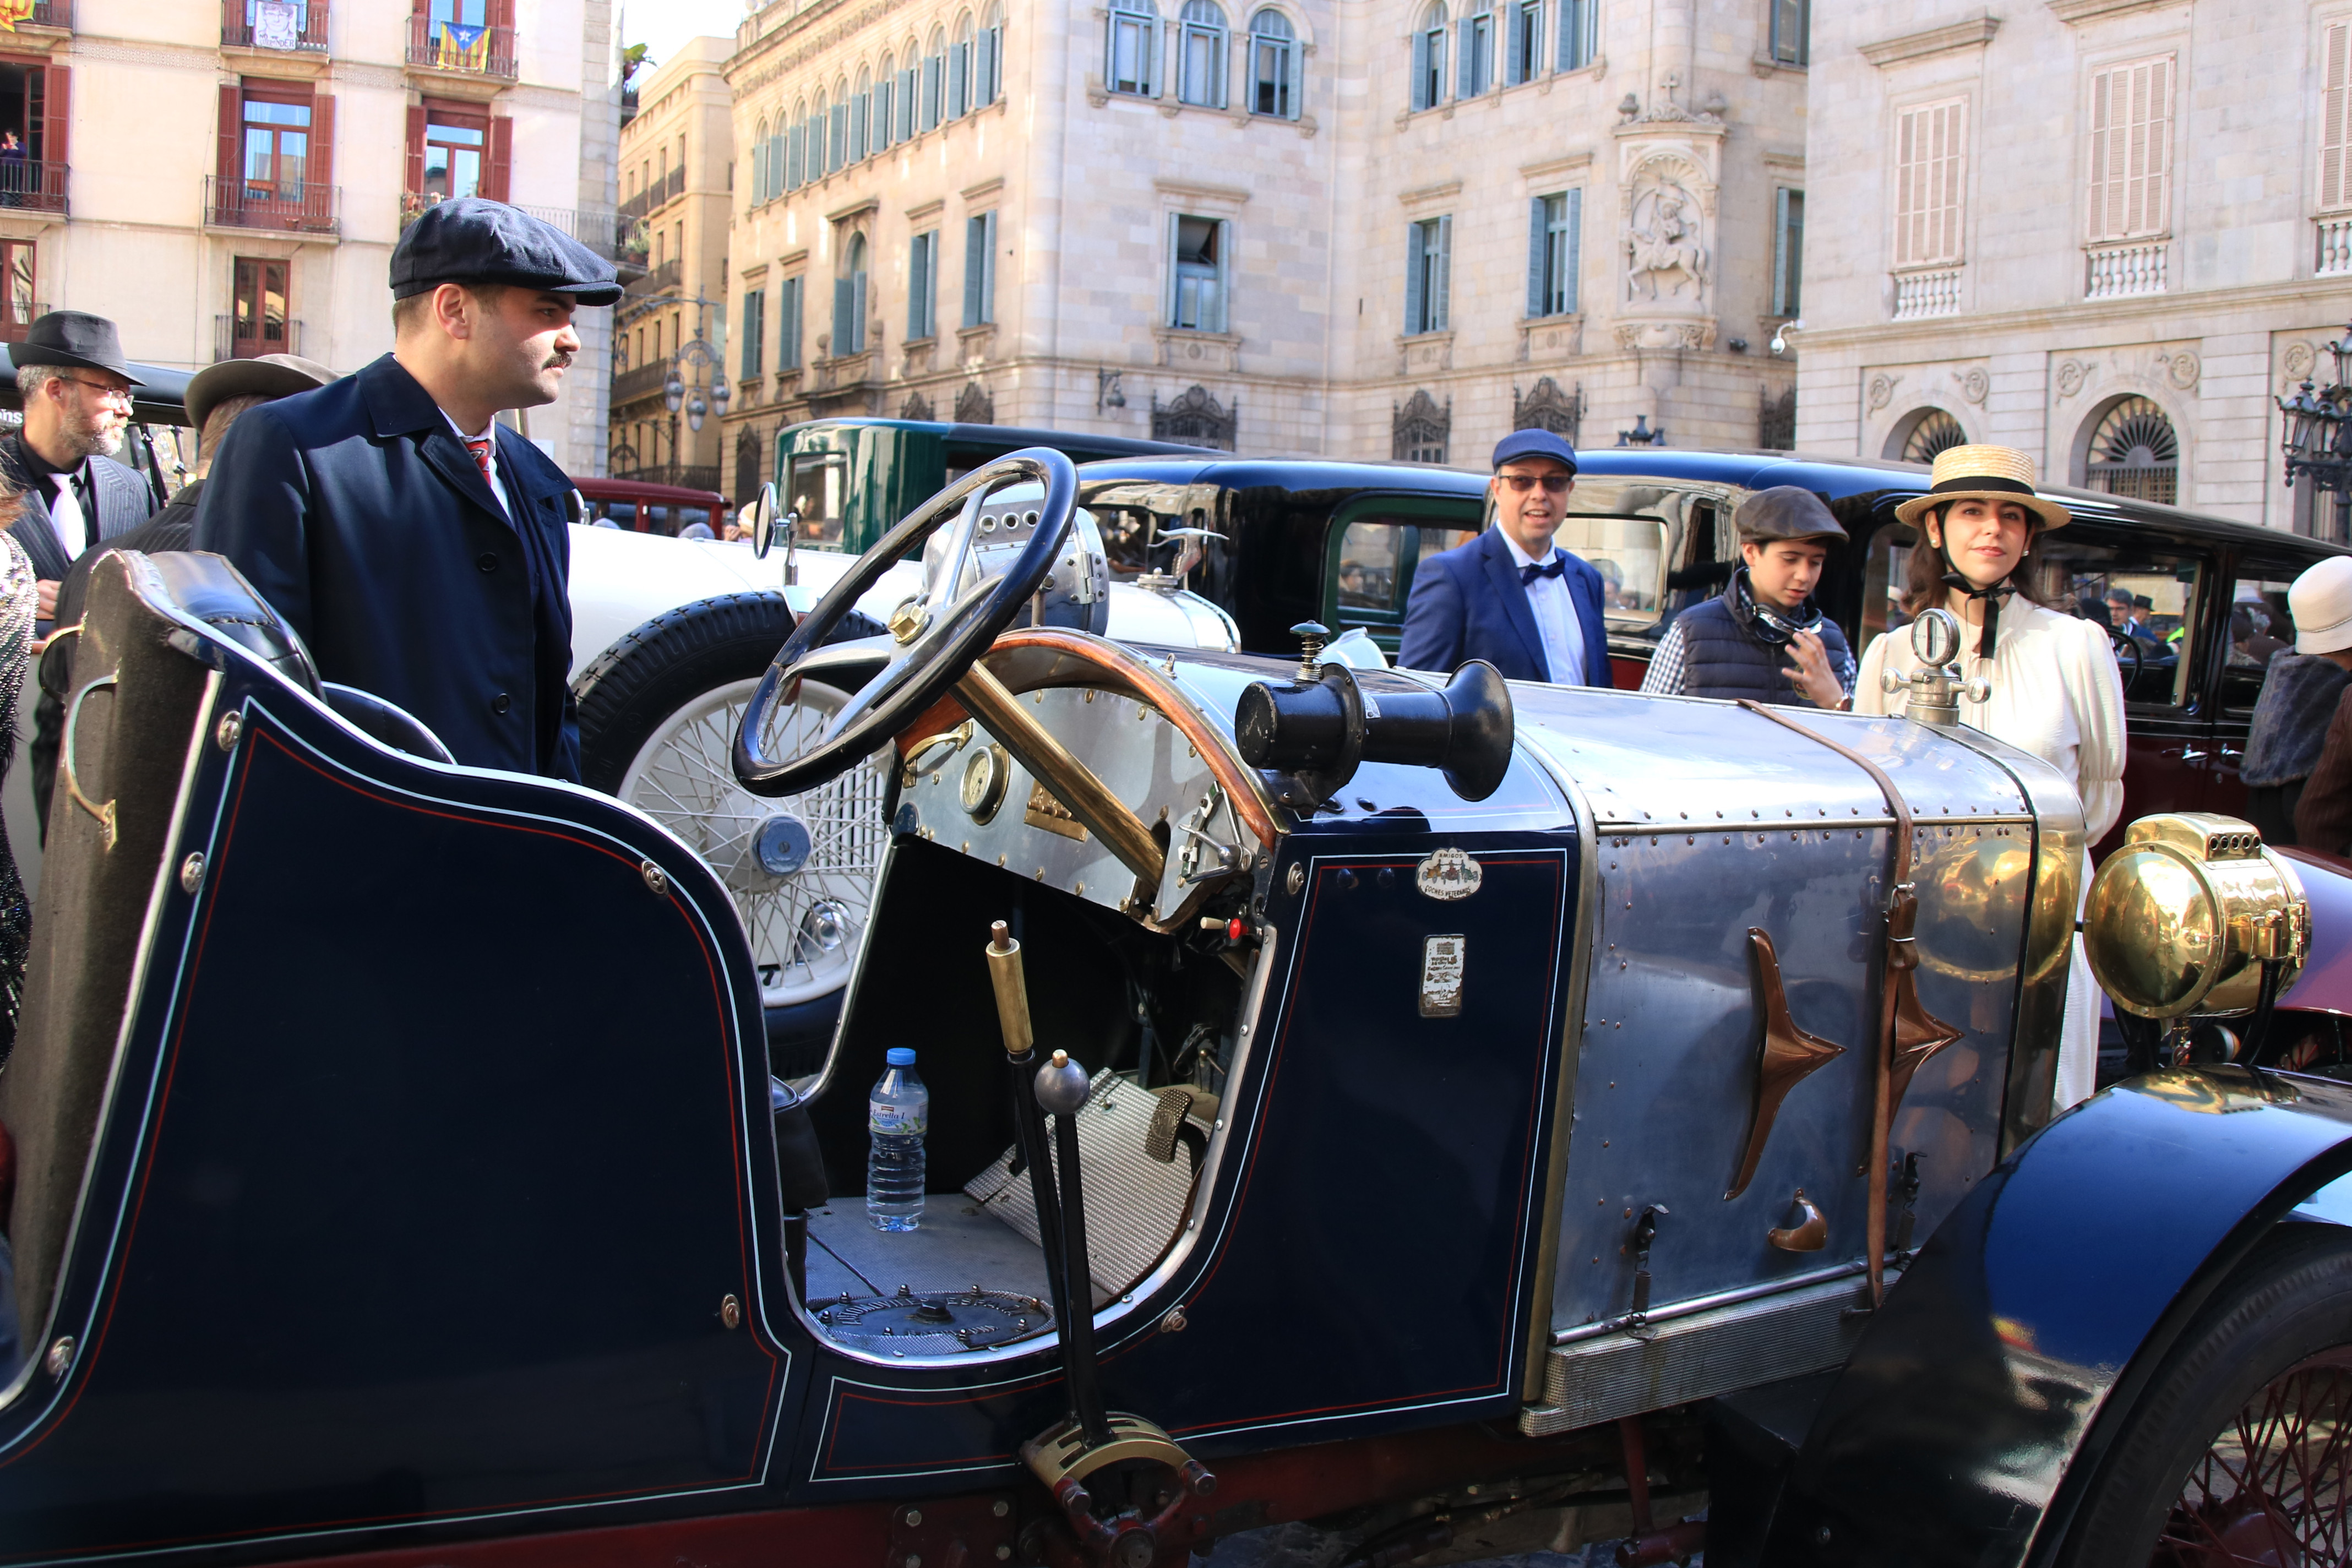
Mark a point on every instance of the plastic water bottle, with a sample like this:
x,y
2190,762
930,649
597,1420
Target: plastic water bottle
x,y
898,1114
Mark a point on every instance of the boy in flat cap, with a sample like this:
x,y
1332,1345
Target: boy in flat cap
x,y
1764,638
418,548
1511,596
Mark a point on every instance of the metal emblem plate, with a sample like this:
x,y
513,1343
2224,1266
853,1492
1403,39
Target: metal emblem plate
x,y
1441,976
1448,874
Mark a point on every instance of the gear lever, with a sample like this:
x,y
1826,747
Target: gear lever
x,y
1029,1125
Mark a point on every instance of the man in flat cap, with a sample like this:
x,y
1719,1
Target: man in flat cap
x,y
1510,597
1764,638
76,387
416,546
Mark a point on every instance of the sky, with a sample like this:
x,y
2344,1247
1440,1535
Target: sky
x,y
664,24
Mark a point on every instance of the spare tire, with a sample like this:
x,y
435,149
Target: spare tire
x,y
658,716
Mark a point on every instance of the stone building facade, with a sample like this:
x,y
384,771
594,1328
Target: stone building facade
x,y
676,155
2108,232
228,177
1257,226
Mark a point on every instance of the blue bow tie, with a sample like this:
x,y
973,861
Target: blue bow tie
x,y
1552,568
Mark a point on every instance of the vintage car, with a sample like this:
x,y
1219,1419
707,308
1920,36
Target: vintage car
x,y
1356,1096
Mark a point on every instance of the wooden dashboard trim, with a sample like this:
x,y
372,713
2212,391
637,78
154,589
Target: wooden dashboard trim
x,y
1034,660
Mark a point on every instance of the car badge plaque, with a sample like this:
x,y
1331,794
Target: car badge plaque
x,y
1441,976
1448,874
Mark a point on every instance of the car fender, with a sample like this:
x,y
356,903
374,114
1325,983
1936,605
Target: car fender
x,y
1975,1410
2326,984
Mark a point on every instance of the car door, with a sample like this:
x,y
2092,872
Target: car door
x,y
1371,551
2254,600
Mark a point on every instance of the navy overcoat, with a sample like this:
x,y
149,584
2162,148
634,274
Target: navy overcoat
x,y
1469,604
359,514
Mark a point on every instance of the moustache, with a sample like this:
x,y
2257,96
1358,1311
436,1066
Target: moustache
x,y
559,361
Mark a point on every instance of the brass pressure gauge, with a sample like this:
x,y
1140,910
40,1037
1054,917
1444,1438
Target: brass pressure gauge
x,y
2182,917
984,777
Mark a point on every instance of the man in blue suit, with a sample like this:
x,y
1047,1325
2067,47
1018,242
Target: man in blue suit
x,y
1510,597
418,547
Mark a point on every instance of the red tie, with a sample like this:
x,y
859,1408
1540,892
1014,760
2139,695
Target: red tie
x,y
480,446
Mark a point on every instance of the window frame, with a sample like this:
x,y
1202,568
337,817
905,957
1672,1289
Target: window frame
x,y
1579,35
1954,165
1139,21
923,286
2333,120
752,356
1462,514
1219,277
979,269
1429,284
1474,68
1523,61
1788,250
1196,32
1429,57
1286,57
1788,32
789,310
2144,145
1554,254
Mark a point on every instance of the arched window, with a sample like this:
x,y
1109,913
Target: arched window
x,y
849,299
1429,58
1473,73
2134,452
988,61
1524,49
861,105
760,166
884,126
777,137
837,142
1129,47
1201,53
1932,431
910,79
960,95
1273,66
935,75
796,158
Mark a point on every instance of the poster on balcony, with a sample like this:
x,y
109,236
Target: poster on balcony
x,y
275,26
12,12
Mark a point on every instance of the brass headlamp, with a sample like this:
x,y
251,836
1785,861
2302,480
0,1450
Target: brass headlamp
x,y
2186,916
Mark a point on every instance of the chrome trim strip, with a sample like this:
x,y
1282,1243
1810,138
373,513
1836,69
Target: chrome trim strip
x,y
1618,825
1719,1299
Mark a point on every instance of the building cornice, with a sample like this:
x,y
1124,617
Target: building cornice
x,y
1436,192
1975,32
2141,313
2075,11
1235,194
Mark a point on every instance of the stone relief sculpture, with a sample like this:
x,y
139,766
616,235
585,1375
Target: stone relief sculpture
x,y
1663,244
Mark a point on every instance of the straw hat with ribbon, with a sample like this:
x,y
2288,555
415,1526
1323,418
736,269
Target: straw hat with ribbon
x,y
1982,473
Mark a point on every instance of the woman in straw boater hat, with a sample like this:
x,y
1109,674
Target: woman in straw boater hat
x,y
2055,690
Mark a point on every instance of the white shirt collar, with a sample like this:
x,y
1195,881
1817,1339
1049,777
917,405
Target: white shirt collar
x,y
1521,556
491,430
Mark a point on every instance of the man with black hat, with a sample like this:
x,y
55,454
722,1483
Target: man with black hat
x,y
1510,597
75,386
1764,638
418,547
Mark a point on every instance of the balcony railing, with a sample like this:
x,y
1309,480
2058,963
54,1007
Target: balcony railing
x,y
51,14
2335,245
286,208
2117,272
298,25
615,236
263,337
448,47
693,476
39,187
1918,295
644,381
658,279
15,315
656,193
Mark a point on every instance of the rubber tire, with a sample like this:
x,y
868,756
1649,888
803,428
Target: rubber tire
x,y
637,683
2292,1299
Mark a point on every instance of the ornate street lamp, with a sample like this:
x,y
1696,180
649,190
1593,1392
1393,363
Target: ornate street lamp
x,y
2317,439
698,359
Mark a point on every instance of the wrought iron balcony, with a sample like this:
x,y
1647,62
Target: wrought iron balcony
x,y
262,337
245,24
659,280
644,381
285,207
33,187
50,14
449,46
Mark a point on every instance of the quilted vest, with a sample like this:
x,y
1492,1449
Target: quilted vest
x,y
1724,657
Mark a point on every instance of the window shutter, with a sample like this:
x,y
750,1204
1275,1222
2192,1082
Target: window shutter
x,y
796,161
1930,180
759,173
1781,251
1221,317
1462,54
2334,123
788,325
1293,68
1420,69
323,148
859,312
1538,252
232,132
497,169
1519,46
416,145
975,270
959,75
844,313
984,77
1411,279
1571,263
918,288
1444,290
988,274
2131,136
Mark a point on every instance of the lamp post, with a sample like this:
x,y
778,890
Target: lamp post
x,y
2317,440
702,361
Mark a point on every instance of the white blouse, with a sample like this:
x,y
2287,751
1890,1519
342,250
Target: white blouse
x,y
2056,693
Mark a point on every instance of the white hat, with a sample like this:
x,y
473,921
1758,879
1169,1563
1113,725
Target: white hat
x,y
2321,604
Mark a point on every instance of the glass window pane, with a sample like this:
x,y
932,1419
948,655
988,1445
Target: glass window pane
x,y
455,135
1628,553
1367,574
256,153
816,490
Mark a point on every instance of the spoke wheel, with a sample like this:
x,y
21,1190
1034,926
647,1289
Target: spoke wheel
x,y
2275,1487
801,868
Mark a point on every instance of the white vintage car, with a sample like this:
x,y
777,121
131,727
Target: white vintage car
x,y
669,636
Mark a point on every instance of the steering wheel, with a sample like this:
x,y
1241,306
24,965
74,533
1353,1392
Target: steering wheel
x,y
937,637
2128,647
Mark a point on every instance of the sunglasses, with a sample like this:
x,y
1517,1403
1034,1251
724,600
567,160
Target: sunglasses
x,y
1553,484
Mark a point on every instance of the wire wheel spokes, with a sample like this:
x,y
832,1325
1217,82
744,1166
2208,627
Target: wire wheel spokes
x,y
800,868
2275,1487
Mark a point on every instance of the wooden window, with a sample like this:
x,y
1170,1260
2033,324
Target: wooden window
x,y
2131,150
1930,182
1473,71
755,327
1792,26
1526,52
788,325
922,286
451,153
988,62
258,324
1201,53
2335,116
1788,248
1273,66
1555,237
1198,275
1428,261
1128,48
1429,58
274,151
980,268
1579,33
849,299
